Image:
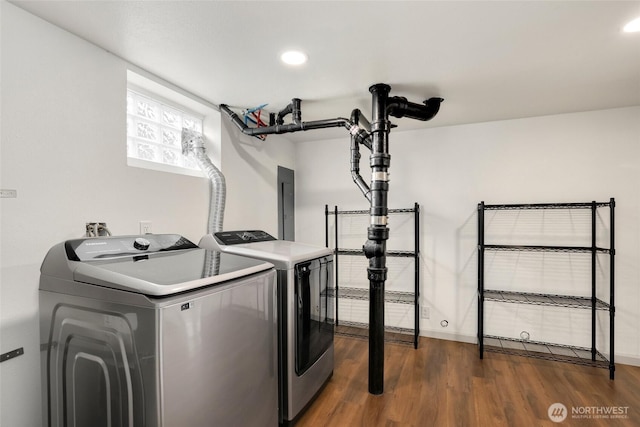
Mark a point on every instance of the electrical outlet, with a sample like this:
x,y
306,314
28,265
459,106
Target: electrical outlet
x,y
424,312
145,227
95,229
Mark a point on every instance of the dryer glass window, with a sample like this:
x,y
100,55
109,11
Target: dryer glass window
x,y
314,311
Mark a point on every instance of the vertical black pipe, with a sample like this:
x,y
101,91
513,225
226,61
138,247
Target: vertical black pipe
x,y
481,279
593,280
416,280
612,307
378,233
335,216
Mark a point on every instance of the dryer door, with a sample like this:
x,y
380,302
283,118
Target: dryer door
x,y
314,311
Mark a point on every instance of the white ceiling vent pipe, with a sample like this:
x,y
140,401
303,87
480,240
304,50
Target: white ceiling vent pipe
x,y
193,143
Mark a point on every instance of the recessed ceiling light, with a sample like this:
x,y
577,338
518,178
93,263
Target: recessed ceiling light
x,y
632,27
293,57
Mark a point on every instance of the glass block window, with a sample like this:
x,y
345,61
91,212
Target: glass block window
x,y
154,131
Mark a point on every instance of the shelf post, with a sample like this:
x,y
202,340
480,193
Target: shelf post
x,y
612,308
416,281
481,278
335,256
593,280
326,226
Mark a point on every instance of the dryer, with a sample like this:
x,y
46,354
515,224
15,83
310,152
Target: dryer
x,y
305,311
153,331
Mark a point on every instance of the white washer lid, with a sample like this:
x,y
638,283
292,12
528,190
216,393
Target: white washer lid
x,y
165,270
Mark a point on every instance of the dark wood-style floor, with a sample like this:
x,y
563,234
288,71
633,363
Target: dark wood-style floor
x,y
443,383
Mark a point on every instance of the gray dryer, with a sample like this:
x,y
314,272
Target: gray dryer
x,y
305,311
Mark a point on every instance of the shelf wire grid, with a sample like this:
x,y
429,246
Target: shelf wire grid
x,y
580,205
543,299
546,351
540,248
397,297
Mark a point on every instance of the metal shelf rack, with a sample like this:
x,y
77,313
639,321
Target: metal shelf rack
x,y
357,329
543,350
546,351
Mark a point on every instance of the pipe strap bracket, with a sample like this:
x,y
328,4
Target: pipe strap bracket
x,y
379,220
380,176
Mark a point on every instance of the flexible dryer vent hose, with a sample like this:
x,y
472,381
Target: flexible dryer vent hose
x,y
193,143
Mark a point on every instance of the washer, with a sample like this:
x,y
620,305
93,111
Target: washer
x,y
305,311
153,331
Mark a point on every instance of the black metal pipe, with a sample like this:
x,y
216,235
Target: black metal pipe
x,y
376,138
283,113
399,107
355,158
284,128
294,109
378,233
361,128
362,120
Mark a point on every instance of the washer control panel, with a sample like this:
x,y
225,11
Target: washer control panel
x,y
242,236
95,248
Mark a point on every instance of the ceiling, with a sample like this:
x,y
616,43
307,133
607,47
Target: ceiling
x,y
489,60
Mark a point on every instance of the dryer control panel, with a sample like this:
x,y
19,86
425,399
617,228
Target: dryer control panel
x,y
242,236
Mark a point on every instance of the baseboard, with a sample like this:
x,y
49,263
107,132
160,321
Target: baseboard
x,y
472,339
627,360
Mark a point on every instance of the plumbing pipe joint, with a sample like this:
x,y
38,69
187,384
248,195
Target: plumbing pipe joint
x,y
373,248
399,107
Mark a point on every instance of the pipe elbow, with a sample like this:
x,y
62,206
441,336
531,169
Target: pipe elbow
x,y
234,118
362,186
399,107
433,106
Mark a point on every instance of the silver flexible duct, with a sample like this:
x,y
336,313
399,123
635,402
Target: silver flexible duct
x,y
193,143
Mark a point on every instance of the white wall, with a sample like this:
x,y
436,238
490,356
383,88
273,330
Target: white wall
x,y
573,157
63,150
251,169
63,135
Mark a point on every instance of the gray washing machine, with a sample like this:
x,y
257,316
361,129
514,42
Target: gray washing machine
x,y
153,331
305,311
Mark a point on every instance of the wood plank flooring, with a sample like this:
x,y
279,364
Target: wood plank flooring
x,y
444,383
